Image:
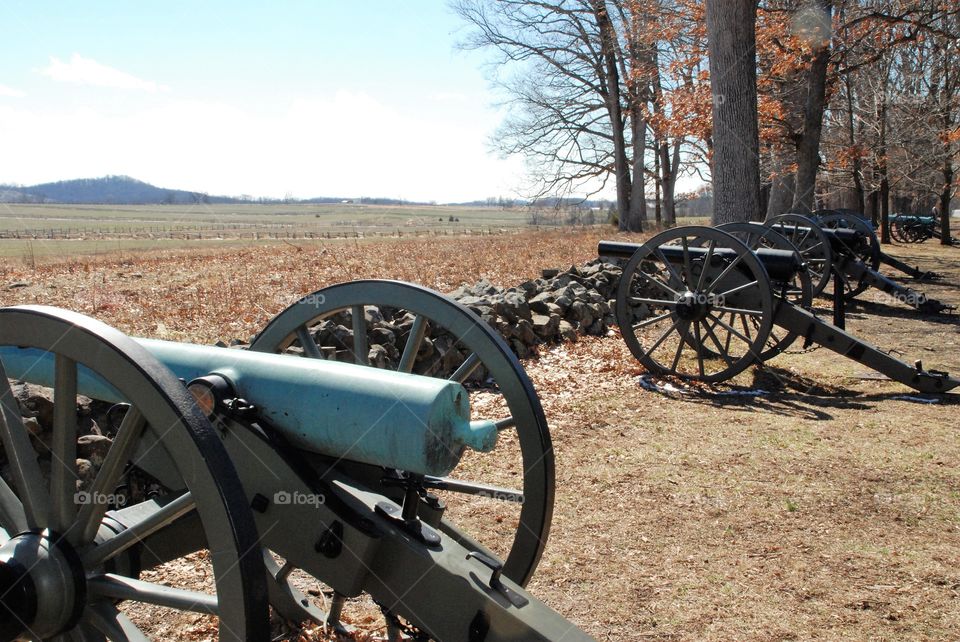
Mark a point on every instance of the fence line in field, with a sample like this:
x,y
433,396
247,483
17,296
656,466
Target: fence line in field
x,y
249,231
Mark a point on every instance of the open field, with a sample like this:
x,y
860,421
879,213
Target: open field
x,y
62,220
827,508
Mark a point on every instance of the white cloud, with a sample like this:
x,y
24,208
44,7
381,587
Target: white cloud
x,y
10,92
347,144
86,71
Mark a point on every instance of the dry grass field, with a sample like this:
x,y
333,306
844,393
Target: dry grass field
x,y
827,508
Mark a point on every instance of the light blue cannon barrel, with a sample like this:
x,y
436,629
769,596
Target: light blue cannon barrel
x,y
392,419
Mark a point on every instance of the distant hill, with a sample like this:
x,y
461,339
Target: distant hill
x,y
112,190
124,190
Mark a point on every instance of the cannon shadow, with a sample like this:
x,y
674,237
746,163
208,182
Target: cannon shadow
x,y
784,393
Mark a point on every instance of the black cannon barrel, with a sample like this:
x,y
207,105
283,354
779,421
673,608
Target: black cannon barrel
x,y
781,265
842,239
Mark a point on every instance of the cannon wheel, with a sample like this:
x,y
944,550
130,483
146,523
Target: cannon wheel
x,y
813,244
898,230
82,571
524,430
907,229
870,255
673,317
799,291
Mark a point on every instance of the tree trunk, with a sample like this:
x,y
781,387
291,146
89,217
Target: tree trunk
x,y
945,202
657,211
882,170
638,192
782,187
875,208
612,97
668,180
808,146
731,40
669,200
857,169
884,209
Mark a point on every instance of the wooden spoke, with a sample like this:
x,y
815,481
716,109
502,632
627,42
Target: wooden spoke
x,y
751,313
657,302
699,339
119,587
660,284
730,328
706,264
652,320
663,337
310,347
110,548
739,288
412,346
122,449
63,450
466,369
106,619
360,350
22,459
669,267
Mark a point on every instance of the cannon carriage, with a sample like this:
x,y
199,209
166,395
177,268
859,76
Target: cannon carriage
x,y
910,228
699,303
430,494
845,249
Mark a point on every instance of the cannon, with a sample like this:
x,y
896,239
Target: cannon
x,y
870,249
847,253
698,303
431,495
910,228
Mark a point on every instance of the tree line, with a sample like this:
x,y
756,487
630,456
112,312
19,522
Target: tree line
x,y
783,105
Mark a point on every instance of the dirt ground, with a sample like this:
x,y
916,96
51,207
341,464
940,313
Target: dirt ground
x,y
826,506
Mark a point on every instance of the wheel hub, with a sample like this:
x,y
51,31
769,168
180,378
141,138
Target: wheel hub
x,y
42,586
693,306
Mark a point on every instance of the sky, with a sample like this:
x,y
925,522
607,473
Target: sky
x,y
285,98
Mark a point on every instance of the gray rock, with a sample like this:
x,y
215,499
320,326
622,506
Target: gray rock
x,y
39,436
472,300
382,336
93,448
485,287
40,407
372,314
581,314
597,328
546,327
529,287
567,331
517,303
86,472
524,332
539,302
378,356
